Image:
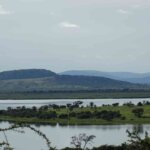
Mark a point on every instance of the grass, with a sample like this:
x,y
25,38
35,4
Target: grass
x,y
124,110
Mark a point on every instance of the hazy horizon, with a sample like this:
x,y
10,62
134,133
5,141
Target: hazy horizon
x,y
75,35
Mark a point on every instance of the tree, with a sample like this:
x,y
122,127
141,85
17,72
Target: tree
x,y
91,104
139,104
138,112
82,139
115,104
136,142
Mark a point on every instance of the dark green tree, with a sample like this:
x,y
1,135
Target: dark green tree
x,y
138,112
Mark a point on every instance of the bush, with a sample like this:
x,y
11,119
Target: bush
x,y
138,112
63,116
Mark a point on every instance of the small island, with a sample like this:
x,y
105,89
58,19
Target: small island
x,y
77,114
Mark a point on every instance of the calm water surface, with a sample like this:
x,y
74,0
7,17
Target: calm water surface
x,y
30,103
60,136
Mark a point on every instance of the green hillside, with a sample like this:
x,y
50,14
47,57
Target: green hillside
x,y
44,80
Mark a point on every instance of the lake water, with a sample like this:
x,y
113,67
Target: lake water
x,y
60,136
30,103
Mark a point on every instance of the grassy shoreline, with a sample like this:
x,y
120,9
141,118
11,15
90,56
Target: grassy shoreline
x,y
72,122
124,110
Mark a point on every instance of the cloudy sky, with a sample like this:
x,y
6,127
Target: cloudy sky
x,y
75,34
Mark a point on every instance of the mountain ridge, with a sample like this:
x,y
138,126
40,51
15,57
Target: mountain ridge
x,y
45,80
141,78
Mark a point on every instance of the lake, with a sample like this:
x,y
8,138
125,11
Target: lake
x,y
30,103
60,136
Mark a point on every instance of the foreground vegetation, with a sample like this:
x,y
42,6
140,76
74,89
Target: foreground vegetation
x,y
76,113
81,142
134,142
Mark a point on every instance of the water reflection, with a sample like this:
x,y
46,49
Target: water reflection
x,y
138,128
57,134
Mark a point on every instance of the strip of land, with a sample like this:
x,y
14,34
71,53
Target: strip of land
x,y
104,115
97,94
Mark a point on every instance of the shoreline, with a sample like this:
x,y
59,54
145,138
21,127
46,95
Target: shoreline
x,y
71,123
126,116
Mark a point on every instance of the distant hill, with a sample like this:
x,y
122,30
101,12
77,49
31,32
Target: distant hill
x,y
26,74
141,78
44,80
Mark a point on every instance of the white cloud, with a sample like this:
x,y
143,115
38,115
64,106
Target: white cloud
x,y
3,11
123,11
66,24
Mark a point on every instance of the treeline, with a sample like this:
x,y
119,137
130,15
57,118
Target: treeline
x,y
78,94
75,110
42,113
124,90
104,114
129,104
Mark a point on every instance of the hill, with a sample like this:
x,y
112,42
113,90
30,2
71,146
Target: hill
x,y
141,78
44,80
25,74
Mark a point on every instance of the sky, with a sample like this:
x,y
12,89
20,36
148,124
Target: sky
x,y
64,35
